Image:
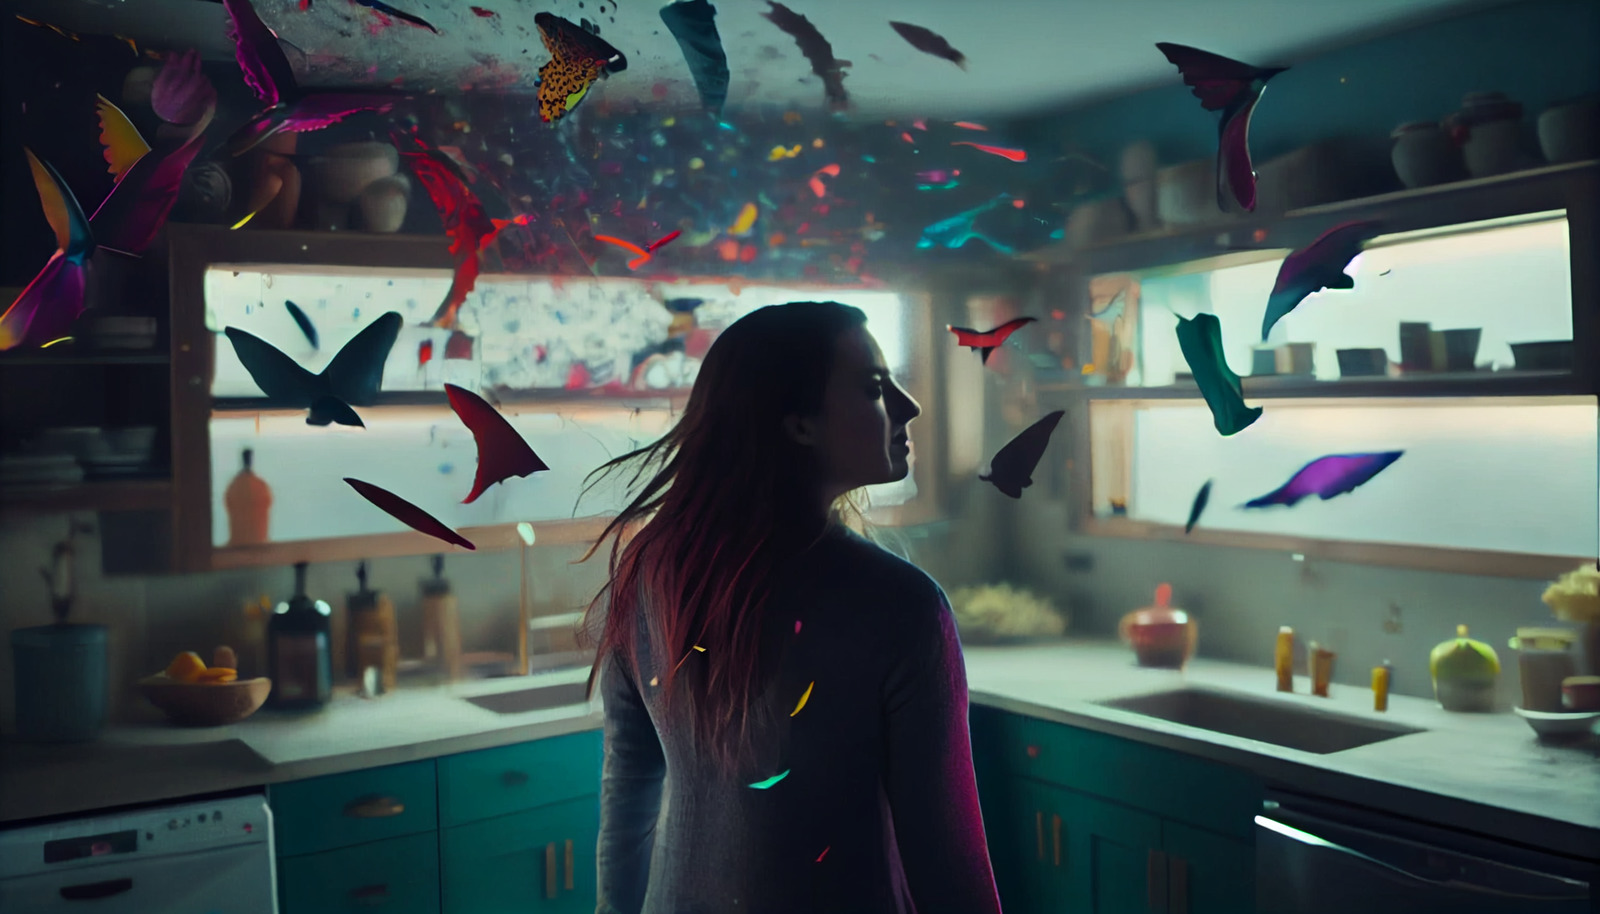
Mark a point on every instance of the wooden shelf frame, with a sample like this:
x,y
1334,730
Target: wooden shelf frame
x,y
195,248
91,495
1573,188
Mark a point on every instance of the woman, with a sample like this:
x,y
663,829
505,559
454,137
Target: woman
x,y
785,702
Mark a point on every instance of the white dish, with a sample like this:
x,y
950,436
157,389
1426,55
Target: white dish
x,y
1559,723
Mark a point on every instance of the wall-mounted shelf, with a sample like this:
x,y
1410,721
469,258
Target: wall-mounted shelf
x,y
119,495
1431,384
438,398
36,357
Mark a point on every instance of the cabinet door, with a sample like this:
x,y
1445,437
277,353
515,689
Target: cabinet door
x,y
1207,873
394,876
539,860
1120,868
1041,858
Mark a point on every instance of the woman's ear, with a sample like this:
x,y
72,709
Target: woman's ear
x,y
800,430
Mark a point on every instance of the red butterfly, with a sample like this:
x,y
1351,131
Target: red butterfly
x,y
987,341
502,452
644,253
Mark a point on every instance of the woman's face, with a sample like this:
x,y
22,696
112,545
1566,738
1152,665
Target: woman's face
x,y
860,435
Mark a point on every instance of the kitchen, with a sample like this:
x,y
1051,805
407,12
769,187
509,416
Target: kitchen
x,y
455,728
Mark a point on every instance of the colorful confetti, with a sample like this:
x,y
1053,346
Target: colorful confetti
x,y
763,785
803,699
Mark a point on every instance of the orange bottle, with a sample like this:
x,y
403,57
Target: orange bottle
x,y
249,504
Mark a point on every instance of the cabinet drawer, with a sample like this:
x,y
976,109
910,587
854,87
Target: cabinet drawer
x,y
343,809
492,782
1171,784
538,860
395,876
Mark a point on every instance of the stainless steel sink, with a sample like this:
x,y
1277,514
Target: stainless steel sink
x,y
1264,720
535,699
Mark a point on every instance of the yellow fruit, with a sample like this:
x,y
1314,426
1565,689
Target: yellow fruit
x,y
217,674
224,656
186,667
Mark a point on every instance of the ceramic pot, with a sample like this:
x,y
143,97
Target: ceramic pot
x,y
1488,127
1161,637
345,170
1423,155
1570,131
1138,168
1186,194
383,204
1097,221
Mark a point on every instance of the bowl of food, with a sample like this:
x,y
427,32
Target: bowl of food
x,y
195,695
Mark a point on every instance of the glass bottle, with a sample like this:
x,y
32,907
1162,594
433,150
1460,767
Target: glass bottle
x,y
299,650
249,504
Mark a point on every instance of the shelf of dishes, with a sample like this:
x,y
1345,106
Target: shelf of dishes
x,y
125,495
56,459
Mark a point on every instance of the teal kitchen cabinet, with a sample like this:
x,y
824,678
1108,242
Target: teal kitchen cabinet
x,y
539,860
393,876
339,810
506,779
1142,829
1207,873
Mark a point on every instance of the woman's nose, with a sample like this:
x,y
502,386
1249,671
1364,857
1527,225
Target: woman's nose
x,y
903,407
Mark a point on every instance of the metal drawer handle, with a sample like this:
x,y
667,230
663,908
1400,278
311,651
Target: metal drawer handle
x,y
370,894
1038,831
374,806
514,778
1055,836
1155,880
569,864
550,870
92,890
1579,889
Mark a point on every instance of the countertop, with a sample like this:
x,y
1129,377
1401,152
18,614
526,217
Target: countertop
x,y
1480,772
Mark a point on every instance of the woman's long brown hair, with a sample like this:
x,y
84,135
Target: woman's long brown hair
x,y
730,498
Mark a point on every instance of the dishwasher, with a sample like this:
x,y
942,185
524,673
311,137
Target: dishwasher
x,y
193,857
1314,856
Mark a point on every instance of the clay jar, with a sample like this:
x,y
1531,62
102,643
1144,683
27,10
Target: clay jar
x,y
1489,128
1424,155
1570,131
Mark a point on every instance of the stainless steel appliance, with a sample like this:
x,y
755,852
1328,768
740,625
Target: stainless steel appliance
x,y
1314,856
192,857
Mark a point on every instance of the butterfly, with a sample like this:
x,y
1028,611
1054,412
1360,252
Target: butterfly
x,y
929,42
407,513
1011,469
1195,510
465,221
147,182
818,52
643,253
577,59
1201,342
351,379
1233,88
1319,265
1326,477
302,321
289,107
986,341
502,452
693,24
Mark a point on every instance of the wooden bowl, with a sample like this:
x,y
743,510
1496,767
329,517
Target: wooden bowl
x,y
197,704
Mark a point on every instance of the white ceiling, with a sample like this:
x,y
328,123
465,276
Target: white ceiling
x,y
1022,55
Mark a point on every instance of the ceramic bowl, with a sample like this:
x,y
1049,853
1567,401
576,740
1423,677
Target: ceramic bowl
x,y
1570,131
1362,363
1559,726
196,704
1554,355
1162,638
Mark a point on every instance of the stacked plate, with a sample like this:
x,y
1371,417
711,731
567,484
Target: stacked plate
x,y
34,471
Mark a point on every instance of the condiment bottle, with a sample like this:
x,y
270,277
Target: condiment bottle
x,y
299,650
249,503
1321,662
374,641
1283,659
1380,686
441,628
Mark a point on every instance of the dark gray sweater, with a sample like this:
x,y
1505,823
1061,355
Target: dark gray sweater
x,y
879,810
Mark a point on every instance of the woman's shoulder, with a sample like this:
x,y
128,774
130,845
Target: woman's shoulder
x,y
883,576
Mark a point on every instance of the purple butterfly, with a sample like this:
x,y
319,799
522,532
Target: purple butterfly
x,y
1317,266
1233,88
289,107
1326,477
138,205
53,300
